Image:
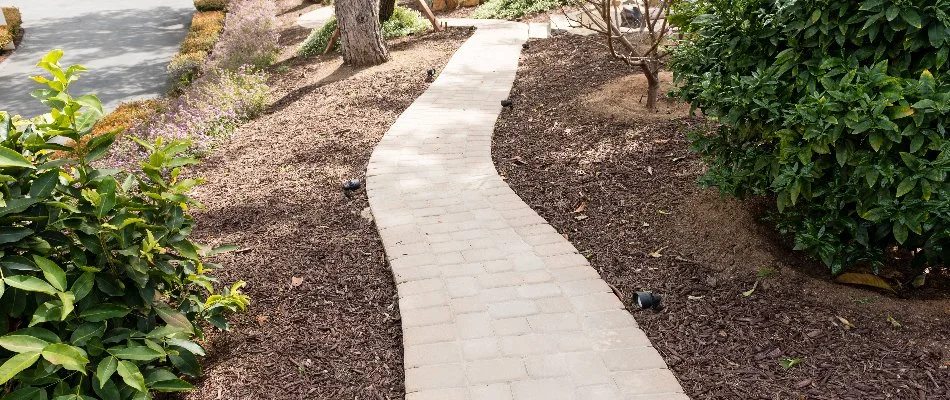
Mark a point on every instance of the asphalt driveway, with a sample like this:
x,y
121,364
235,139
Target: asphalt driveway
x,y
126,44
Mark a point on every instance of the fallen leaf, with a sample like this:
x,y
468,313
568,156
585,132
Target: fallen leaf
x,y
295,281
261,319
664,212
518,160
695,297
919,281
650,170
802,384
894,322
580,217
581,207
749,292
656,253
847,324
646,224
852,278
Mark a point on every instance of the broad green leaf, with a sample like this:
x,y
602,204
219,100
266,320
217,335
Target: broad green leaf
x,y
187,345
173,385
30,284
107,196
900,112
52,272
876,140
17,364
87,331
132,376
102,312
10,158
911,17
69,357
174,319
27,393
69,301
106,368
12,235
19,343
906,186
44,184
137,353
83,285
900,232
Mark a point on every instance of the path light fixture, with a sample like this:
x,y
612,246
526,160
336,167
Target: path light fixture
x,y
647,300
506,103
430,75
525,46
352,184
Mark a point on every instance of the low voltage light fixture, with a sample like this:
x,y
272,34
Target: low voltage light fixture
x,y
525,46
647,300
352,184
506,103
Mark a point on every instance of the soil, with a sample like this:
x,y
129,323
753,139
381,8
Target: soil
x,y
621,185
324,321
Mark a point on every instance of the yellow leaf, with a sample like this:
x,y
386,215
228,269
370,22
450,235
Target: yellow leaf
x,y
851,278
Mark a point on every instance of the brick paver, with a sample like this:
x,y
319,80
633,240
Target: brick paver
x,y
495,303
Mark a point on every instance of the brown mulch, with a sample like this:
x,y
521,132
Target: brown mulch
x,y
645,224
324,321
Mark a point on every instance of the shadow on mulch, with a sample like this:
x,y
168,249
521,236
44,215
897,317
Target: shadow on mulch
x,y
646,225
324,321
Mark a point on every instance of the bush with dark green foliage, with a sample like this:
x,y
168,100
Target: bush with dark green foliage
x,y
512,9
836,109
404,22
102,293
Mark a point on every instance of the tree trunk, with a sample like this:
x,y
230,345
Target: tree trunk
x,y
386,9
653,85
359,32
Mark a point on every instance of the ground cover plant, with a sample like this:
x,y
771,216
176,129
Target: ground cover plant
x,y
211,5
103,293
404,22
250,36
513,9
202,35
837,110
13,28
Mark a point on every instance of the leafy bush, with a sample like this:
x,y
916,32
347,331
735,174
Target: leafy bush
x,y
250,35
212,107
185,67
512,9
211,5
204,32
102,294
404,22
317,42
5,37
838,110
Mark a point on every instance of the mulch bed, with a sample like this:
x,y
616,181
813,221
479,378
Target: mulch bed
x,y
324,321
621,186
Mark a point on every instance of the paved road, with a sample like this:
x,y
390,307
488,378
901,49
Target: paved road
x,y
126,44
495,303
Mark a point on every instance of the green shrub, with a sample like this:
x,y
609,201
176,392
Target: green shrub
x,y
512,9
184,67
838,110
102,294
404,22
211,5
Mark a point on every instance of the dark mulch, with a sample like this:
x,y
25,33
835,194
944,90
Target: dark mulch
x,y
565,144
324,321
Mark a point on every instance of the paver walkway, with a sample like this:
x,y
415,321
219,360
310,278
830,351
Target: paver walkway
x,y
126,44
495,303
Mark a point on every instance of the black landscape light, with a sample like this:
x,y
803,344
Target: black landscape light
x,y
647,300
525,46
430,75
352,184
506,103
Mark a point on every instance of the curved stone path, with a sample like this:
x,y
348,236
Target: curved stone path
x,y
495,303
